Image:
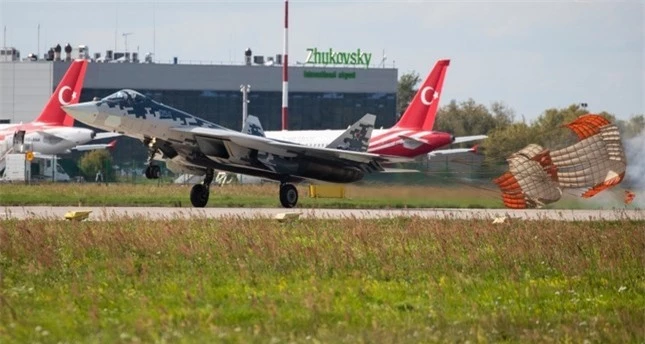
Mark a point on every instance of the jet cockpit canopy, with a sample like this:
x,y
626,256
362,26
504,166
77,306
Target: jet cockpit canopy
x,y
130,96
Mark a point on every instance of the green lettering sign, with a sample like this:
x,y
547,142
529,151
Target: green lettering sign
x,y
329,74
331,57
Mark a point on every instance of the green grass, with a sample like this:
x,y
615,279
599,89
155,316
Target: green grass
x,y
358,196
397,280
91,194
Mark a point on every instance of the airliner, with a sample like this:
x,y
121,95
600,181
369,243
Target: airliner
x,y
412,136
52,132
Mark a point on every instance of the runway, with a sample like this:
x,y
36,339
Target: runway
x,y
155,213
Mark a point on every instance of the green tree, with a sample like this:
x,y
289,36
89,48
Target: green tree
x,y
406,89
94,160
547,130
633,127
550,129
465,118
503,115
503,142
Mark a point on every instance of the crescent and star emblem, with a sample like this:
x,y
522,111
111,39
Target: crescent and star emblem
x,y
60,95
424,95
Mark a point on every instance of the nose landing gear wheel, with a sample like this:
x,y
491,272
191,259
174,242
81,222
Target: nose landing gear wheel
x,y
153,172
288,195
199,195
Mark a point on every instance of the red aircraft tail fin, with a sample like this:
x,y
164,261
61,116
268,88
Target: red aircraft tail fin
x,y
422,111
67,92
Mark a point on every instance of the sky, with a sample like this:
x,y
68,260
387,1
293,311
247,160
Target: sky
x,y
531,55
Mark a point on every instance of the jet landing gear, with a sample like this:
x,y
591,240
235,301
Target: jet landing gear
x,y
199,192
288,195
152,171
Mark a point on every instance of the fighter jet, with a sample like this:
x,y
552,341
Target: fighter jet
x,y
190,144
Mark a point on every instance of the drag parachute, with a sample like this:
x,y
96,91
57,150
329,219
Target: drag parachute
x,y
529,182
536,176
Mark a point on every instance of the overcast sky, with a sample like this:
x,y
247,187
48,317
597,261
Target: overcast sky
x,y
531,55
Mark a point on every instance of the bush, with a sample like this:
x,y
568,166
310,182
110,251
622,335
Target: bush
x,y
94,160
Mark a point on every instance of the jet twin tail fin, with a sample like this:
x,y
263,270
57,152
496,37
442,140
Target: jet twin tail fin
x,y
67,92
357,137
252,126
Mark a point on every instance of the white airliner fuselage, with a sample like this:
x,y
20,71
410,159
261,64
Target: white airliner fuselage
x,y
44,138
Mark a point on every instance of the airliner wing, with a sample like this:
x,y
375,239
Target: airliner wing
x,y
106,135
399,170
44,156
462,139
88,147
452,151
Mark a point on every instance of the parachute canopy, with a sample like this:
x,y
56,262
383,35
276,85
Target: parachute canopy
x,y
536,176
529,182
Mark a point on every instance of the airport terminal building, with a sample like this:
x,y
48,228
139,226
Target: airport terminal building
x,y
320,97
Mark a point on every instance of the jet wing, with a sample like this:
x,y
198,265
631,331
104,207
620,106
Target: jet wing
x,y
462,139
285,149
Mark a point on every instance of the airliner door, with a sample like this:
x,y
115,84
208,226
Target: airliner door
x,y
19,137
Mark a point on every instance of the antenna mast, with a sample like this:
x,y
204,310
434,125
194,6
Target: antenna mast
x,y
125,37
285,67
154,30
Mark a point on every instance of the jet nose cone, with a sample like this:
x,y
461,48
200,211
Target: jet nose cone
x,y
84,112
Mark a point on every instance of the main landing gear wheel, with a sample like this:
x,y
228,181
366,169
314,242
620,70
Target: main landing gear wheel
x,y
199,195
200,192
288,195
153,172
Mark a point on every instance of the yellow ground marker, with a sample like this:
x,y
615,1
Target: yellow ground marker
x,y
77,215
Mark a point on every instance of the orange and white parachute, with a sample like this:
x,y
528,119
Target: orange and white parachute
x,y
536,176
530,180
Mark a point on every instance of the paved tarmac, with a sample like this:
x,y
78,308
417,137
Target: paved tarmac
x,y
107,213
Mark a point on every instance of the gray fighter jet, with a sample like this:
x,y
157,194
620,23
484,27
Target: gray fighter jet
x,y
189,144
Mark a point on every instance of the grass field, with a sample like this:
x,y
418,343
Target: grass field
x,y
385,281
358,196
